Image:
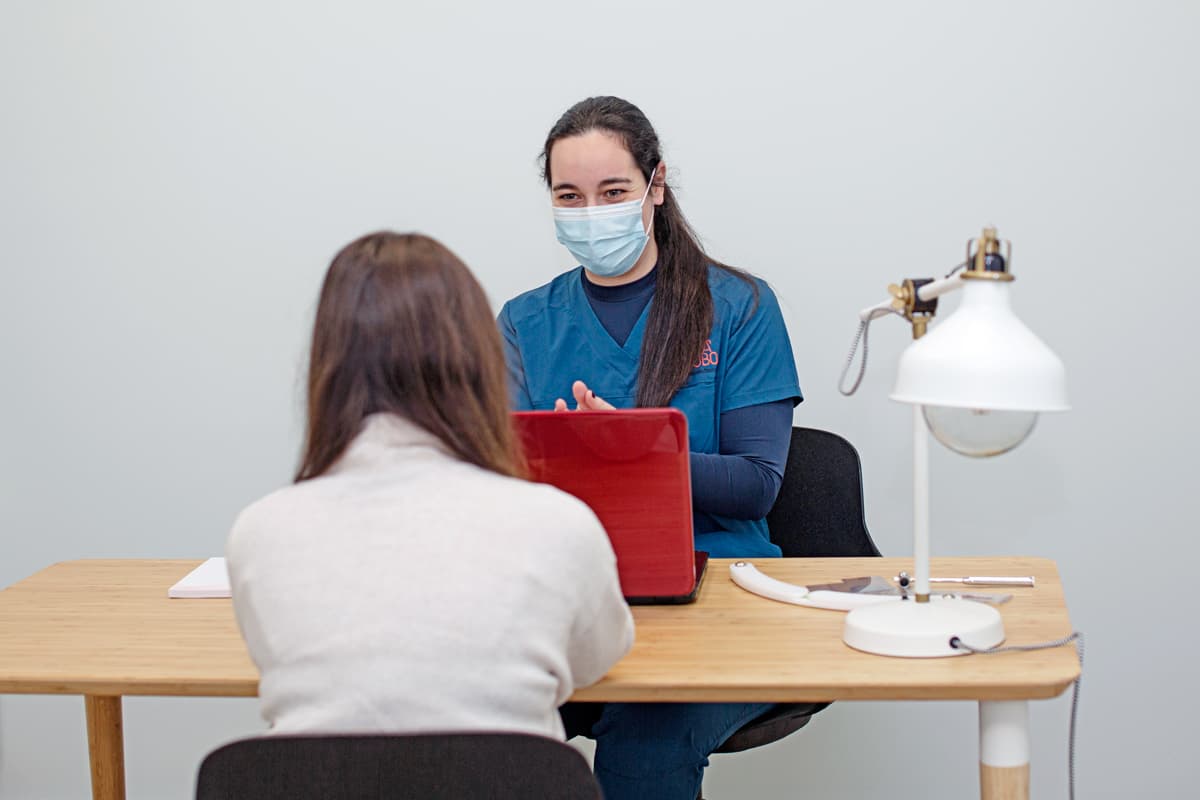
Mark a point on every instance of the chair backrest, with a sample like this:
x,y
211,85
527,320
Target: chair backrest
x,y
396,767
819,510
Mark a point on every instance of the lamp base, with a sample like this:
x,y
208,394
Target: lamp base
x,y
910,629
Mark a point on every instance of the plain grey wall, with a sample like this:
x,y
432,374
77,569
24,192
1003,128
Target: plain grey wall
x,y
175,177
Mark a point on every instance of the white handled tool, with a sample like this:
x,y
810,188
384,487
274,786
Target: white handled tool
x,y
747,576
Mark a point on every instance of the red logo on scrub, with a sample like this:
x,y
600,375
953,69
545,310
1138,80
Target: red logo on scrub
x,y
708,358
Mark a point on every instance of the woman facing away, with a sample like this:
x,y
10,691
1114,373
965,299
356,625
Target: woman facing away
x,y
650,319
410,580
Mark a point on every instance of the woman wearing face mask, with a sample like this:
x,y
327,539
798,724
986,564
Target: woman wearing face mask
x,y
648,319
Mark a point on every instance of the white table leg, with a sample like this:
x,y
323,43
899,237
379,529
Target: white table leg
x,y
1004,750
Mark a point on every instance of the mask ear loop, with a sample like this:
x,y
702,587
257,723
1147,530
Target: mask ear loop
x,y
650,183
649,186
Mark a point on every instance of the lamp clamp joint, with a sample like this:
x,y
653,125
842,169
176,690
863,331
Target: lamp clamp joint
x,y
906,299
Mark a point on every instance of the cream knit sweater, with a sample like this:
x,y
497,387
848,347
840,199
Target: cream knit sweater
x,y
408,591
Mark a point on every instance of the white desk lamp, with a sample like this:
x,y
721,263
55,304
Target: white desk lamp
x,y
978,380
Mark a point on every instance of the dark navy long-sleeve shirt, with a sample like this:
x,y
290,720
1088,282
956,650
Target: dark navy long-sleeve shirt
x,y
743,478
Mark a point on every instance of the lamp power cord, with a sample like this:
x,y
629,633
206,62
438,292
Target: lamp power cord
x,y
1076,637
860,336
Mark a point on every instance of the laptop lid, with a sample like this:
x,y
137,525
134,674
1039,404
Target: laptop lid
x,y
631,467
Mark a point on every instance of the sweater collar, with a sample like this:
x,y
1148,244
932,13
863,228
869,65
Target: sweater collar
x,y
382,438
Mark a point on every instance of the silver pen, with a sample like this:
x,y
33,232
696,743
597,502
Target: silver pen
x,y
904,579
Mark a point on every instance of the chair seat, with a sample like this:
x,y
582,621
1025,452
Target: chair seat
x,y
436,766
782,720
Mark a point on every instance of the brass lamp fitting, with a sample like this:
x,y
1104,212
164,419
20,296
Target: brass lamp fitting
x,y
915,310
986,263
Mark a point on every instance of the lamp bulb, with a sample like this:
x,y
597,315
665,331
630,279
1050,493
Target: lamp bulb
x,y
979,432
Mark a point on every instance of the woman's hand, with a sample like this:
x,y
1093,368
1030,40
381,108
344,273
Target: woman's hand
x,y
585,400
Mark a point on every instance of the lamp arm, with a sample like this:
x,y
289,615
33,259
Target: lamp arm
x,y
900,302
937,288
920,509
881,309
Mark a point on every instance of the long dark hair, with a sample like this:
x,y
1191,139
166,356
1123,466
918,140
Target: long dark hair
x,y
403,327
681,315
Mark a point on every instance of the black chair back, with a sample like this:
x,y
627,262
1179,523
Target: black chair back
x,y
818,514
819,510
409,767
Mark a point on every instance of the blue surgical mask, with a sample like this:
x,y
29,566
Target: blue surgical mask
x,y
607,240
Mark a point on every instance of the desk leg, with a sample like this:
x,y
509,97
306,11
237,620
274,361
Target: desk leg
x,y
1004,750
106,746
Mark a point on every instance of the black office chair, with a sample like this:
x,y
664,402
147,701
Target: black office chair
x,y
450,766
818,514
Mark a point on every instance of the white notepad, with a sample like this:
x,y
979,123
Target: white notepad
x,y
210,579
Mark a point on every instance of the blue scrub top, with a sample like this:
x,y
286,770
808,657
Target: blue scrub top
x,y
552,338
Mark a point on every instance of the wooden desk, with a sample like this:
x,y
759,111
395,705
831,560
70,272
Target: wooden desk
x,y
103,629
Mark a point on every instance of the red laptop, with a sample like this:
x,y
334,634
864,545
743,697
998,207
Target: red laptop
x,y
631,467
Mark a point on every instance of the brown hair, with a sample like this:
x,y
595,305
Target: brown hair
x,y
403,327
681,315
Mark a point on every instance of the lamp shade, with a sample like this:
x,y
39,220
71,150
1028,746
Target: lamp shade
x,y
982,357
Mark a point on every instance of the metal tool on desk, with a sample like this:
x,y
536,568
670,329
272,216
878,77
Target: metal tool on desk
x,y
904,579
879,585
843,595
867,584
